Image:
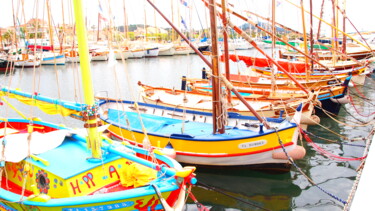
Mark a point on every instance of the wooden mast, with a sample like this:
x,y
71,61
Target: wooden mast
x,y
93,142
216,88
253,43
97,33
270,33
351,37
273,80
227,83
125,21
320,20
311,39
50,25
305,39
344,28
226,49
334,41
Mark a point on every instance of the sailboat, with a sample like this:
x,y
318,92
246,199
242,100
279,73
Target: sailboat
x,y
50,167
193,138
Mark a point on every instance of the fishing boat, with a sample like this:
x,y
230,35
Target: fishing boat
x,y
122,53
73,57
56,173
137,53
99,55
6,65
26,62
189,133
49,58
51,167
166,50
261,67
195,140
202,101
151,52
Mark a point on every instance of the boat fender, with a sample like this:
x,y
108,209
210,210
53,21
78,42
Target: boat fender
x,y
169,151
342,100
297,153
312,120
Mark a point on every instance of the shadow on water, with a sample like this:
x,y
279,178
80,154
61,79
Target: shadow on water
x,y
239,189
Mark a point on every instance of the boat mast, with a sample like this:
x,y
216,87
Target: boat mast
x,y
227,83
270,33
344,28
93,142
273,47
311,41
305,39
334,41
125,22
216,88
226,53
50,25
320,21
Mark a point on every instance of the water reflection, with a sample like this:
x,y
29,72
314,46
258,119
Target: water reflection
x,y
221,189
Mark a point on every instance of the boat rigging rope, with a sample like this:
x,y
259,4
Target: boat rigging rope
x,y
300,170
335,141
226,194
355,108
326,153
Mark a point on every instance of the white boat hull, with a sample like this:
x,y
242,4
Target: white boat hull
x,y
152,52
137,54
123,54
168,51
100,58
52,60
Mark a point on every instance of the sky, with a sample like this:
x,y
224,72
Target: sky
x,y
360,12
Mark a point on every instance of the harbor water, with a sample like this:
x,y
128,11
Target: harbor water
x,y
222,189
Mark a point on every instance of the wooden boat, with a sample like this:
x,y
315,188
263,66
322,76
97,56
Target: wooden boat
x,y
152,52
331,97
6,65
122,53
199,101
97,55
352,50
262,67
53,59
182,50
166,50
58,176
137,53
48,167
246,142
73,57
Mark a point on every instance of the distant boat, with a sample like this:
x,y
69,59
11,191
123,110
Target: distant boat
x,y
6,65
166,50
52,59
151,52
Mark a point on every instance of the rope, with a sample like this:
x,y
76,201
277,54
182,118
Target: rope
x,y
332,141
326,153
359,174
233,197
308,178
355,108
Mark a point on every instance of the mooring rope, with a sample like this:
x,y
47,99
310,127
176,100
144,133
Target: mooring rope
x,y
335,141
307,177
356,110
326,153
